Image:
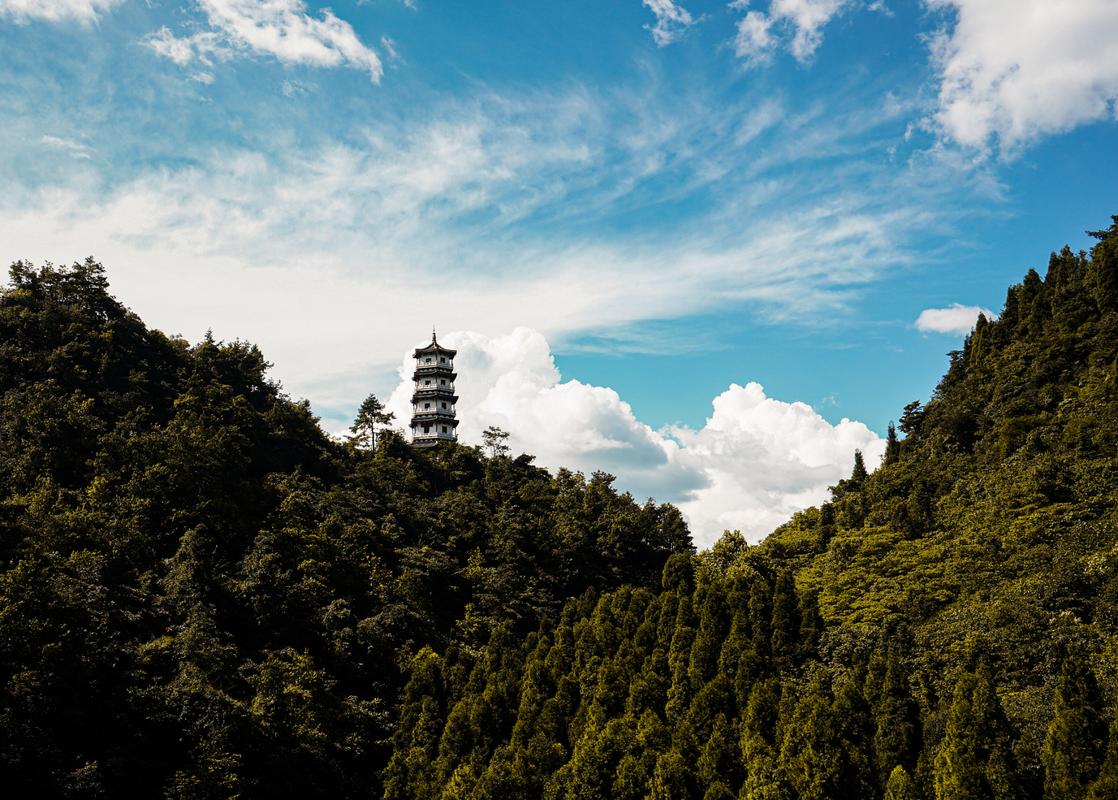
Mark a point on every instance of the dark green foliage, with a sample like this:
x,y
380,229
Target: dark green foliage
x,y
205,596
201,594
903,640
1074,743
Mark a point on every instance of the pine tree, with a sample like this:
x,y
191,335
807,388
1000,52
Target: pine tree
x,y
811,755
897,737
900,786
892,445
975,761
785,621
494,439
1073,746
858,475
672,778
370,415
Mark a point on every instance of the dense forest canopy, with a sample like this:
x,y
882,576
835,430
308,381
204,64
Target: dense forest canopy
x,y
202,595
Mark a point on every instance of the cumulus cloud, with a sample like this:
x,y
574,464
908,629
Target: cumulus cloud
x,y
763,459
797,23
281,29
672,20
956,318
1015,70
756,461
83,11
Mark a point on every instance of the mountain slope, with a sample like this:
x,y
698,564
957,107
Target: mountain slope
x,y
945,627
202,595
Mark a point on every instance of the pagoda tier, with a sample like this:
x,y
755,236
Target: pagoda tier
x,y
434,372
433,399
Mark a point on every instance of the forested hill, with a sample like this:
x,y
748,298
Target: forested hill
x,y
945,627
202,595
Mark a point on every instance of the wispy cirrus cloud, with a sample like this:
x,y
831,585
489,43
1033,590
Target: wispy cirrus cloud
x,y
83,11
519,209
281,29
72,147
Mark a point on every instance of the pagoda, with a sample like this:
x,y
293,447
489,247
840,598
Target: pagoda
x,y
433,416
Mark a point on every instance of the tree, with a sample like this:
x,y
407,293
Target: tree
x,y
1073,745
975,761
494,439
892,445
912,420
899,786
858,474
897,738
369,416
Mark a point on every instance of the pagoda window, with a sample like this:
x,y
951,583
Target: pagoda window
x,y
426,428
427,383
426,405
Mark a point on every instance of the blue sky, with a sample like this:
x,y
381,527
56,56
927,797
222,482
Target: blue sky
x,y
677,196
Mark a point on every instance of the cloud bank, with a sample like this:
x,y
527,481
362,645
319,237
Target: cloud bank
x,y
955,319
755,462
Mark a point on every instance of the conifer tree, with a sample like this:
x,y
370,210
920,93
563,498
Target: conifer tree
x,y
858,475
810,754
672,778
900,786
897,737
892,445
1073,745
785,621
370,415
975,761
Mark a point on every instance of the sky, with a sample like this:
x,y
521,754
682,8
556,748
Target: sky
x,y
709,247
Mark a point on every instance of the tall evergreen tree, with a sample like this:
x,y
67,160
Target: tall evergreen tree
x,y
975,760
1073,746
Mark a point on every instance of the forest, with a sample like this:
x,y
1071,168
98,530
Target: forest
x,y
204,595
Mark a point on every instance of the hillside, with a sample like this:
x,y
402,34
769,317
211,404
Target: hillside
x,y
945,627
202,595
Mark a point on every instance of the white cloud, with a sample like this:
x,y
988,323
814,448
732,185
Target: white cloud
x,y
74,148
327,254
1016,70
754,42
672,20
83,11
802,20
764,459
756,461
279,28
956,318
